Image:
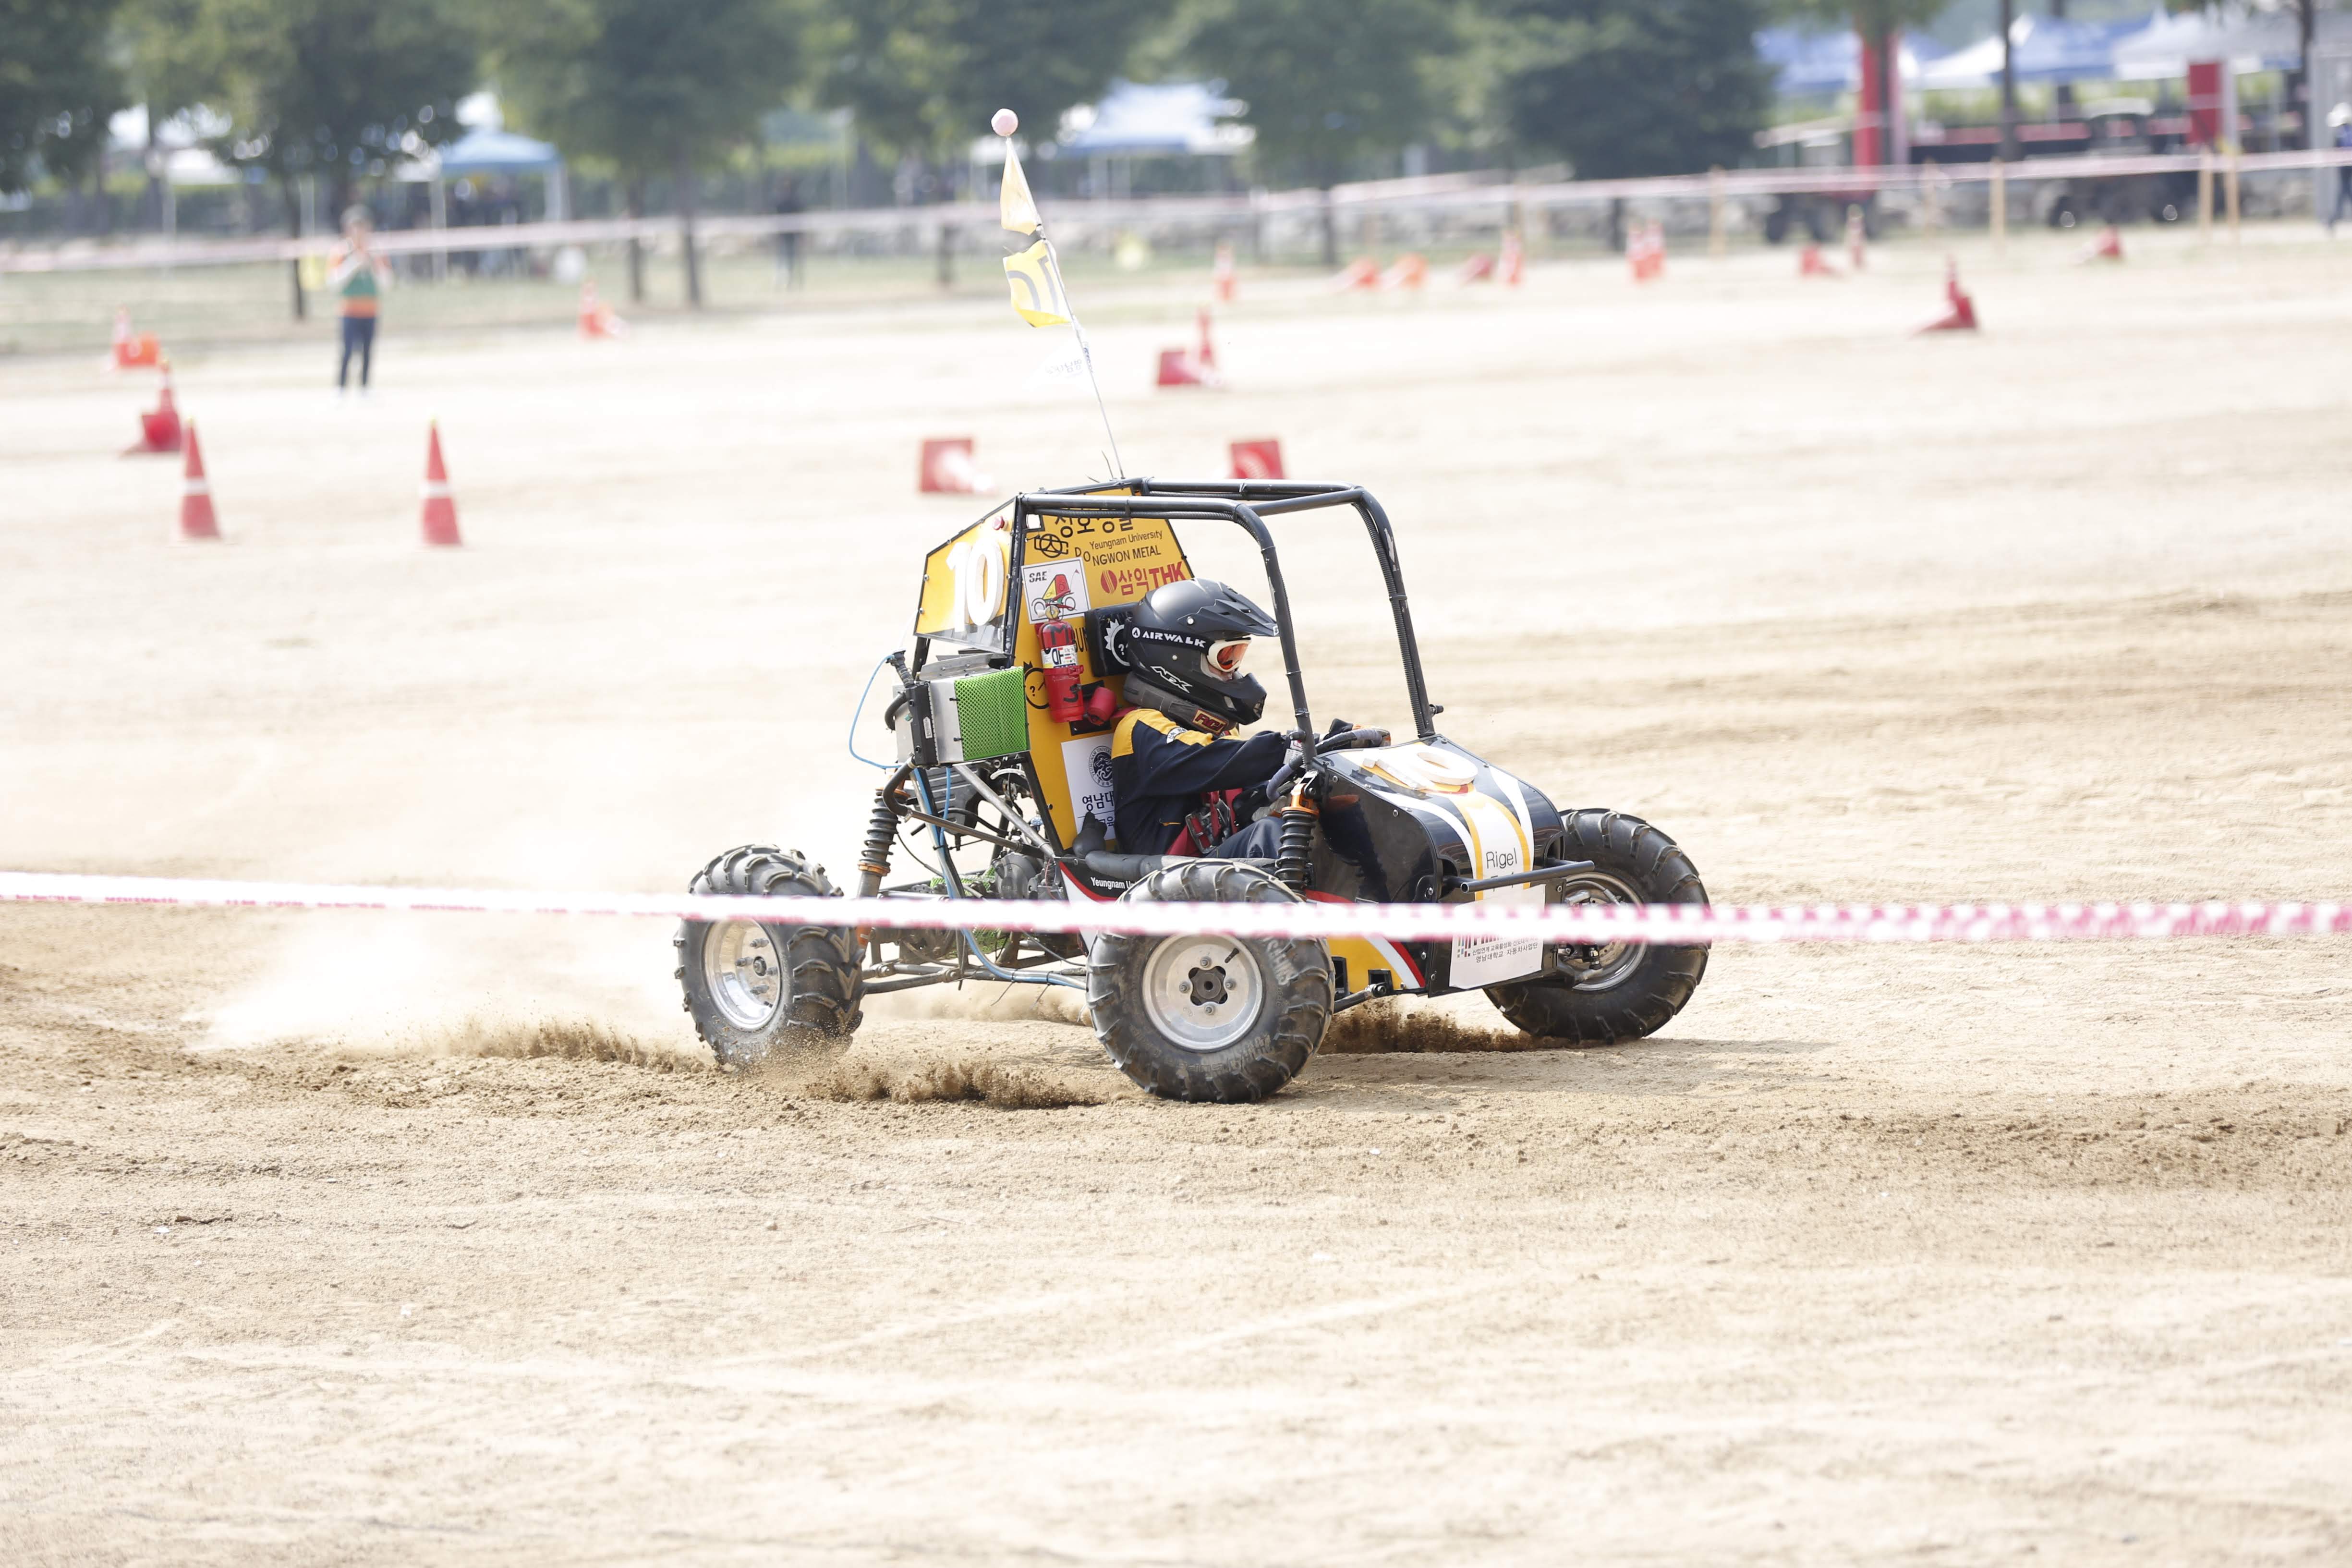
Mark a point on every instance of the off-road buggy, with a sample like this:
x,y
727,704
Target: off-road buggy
x,y
1004,710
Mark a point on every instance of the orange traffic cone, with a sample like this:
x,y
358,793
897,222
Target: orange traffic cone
x,y
132,350
440,515
1811,263
1962,316
197,520
1645,252
1512,265
1220,276
2109,247
1361,273
1257,459
1207,357
597,320
1410,271
158,432
1477,267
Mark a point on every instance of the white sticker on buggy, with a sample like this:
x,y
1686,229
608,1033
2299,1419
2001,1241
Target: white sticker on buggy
x,y
1497,848
1085,761
1483,961
1053,590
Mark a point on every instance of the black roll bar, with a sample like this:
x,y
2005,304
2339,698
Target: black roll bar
x,y
1247,503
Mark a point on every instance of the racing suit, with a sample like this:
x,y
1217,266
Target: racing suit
x,y
1160,769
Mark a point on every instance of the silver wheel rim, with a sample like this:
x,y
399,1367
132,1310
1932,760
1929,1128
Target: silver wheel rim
x,y
1597,966
1203,992
744,973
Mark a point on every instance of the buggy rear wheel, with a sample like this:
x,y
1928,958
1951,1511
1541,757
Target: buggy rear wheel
x,y
757,989
1223,1019
1604,992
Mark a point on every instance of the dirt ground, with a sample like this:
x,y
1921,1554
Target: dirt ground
x,y
350,1239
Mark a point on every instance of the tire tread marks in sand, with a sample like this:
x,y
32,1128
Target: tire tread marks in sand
x,y
1642,1002
826,986
1290,1023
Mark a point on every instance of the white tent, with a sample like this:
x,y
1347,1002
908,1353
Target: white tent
x,y
2250,40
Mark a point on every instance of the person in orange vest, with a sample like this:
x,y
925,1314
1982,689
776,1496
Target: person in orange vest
x,y
359,277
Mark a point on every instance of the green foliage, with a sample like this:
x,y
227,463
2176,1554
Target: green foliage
x,y
176,57
643,83
1626,88
340,88
1875,17
1328,81
924,76
57,87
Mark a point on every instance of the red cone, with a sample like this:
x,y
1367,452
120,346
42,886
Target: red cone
x,y
1222,277
133,351
1361,273
949,468
197,520
1962,316
1811,264
1257,459
1512,265
1208,354
440,511
159,433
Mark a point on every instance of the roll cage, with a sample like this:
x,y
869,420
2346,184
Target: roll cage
x,y
1246,503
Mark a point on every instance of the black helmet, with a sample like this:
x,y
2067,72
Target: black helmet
x,y
1184,650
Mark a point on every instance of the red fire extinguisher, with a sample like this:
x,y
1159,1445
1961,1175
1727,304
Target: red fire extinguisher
x,y
1057,645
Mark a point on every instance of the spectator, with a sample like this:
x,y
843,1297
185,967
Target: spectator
x,y
2339,119
360,278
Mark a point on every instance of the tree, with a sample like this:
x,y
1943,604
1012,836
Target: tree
x,y
1622,88
58,88
1326,81
648,85
1880,24
175,63
338,89
924,76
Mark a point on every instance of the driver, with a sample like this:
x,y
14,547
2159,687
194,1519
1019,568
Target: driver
x,y
1170,754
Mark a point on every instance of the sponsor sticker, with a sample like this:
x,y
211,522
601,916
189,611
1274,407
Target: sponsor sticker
x,y
1483,961
1053,590
1086,763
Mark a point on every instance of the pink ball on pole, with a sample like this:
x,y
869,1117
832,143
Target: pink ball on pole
x,y
1006,122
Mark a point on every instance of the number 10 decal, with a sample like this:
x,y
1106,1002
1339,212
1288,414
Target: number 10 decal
x,y
977,565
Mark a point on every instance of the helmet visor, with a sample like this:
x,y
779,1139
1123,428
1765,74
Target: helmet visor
x,y
1226,657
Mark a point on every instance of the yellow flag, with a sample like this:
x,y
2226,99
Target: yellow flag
x,y
1016,209
1037,287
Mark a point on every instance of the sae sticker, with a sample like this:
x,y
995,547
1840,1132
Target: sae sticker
x,y
1053,590
1486,961
1085,761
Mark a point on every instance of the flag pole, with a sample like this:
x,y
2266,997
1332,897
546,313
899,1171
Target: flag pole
x,y
1017,212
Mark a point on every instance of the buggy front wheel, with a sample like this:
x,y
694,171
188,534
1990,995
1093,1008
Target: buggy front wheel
x,y
1601,993
1224,1019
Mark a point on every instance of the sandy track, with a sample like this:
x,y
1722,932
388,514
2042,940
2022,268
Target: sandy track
x,y
1942,1253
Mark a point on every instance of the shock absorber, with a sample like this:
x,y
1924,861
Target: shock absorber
x,y
874,857
1297,813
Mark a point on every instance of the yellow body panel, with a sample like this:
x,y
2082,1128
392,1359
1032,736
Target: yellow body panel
x,y
963,599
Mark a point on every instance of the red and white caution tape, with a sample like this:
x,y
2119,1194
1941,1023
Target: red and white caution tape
x,y
1663,923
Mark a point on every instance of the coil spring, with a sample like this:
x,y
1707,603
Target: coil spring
x,y
1297,846
874,857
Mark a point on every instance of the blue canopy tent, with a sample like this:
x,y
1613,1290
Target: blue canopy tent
x,y
487,150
